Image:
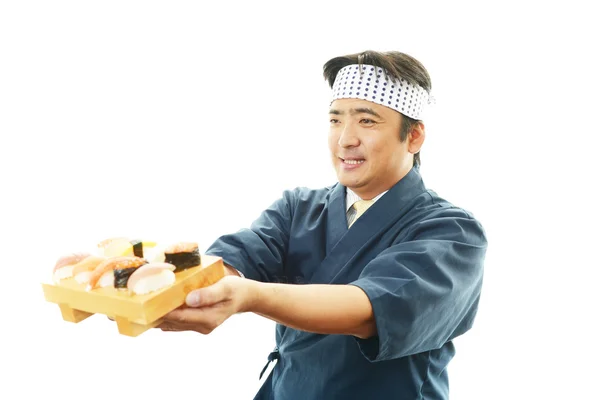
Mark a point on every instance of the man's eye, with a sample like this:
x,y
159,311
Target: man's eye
x,y
333,121
367,121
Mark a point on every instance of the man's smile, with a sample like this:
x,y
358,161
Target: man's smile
x,y
351,163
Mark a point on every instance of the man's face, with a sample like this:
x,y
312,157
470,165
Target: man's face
x,y
364,140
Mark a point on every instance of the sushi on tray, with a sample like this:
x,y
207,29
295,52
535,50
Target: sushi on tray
x,y
136,266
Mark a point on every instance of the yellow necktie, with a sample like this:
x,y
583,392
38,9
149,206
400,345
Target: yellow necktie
x,y
360,206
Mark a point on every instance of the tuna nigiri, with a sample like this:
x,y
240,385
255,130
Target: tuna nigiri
x,y
103,274
64,265
151,277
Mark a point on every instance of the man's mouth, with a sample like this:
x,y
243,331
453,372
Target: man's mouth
x,y
351,164
352,161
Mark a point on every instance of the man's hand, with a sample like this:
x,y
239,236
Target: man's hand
x,y
207,308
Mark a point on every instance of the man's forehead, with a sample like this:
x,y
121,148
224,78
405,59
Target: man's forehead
x,y
360,105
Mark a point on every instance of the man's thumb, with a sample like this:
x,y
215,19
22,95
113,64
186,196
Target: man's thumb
x,y
203,297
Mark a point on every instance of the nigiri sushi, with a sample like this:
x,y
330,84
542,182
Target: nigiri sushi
x,y
64,265
82,271
122,274
155,254
103,275
122,246
183,255
151,277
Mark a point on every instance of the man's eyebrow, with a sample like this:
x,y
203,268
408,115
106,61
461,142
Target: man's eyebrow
x,y
364,110
354,111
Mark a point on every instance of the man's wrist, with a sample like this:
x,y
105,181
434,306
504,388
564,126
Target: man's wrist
x,y
229,270
253,294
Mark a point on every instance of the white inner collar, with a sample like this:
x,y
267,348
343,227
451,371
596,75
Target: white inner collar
x,y
352,198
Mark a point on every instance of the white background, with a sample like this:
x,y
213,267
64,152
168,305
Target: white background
x,y
153,119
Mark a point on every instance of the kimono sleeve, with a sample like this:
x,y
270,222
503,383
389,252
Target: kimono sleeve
x,y
424,291
258,252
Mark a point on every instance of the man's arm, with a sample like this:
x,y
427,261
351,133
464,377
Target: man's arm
x,y
324,309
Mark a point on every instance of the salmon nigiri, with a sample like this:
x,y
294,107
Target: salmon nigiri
x,y
64,265
103,274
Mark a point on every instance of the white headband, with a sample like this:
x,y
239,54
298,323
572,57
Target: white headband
x,y
371,83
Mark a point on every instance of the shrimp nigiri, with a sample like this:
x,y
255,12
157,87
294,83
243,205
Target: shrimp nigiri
x,y
83,269
103,274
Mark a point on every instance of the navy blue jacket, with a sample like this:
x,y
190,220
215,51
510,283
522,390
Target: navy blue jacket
x,y
418,258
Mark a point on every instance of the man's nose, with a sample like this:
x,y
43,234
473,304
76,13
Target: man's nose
x,y
348,137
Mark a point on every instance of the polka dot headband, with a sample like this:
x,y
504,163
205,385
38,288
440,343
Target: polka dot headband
x,y
371,83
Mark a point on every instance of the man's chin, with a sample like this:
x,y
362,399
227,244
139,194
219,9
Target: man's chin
x,y
349,182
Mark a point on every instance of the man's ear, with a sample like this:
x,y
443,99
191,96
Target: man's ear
x,y
416,137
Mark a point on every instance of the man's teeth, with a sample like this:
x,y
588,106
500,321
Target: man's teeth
x,y
354,161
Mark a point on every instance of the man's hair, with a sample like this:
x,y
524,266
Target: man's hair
x,y
398,65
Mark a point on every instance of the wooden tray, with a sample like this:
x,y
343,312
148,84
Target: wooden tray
x,y
134,314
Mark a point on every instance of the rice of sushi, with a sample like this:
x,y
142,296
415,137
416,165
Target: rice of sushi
x,y
63,273
83,277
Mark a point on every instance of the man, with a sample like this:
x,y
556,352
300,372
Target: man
x,y
370,279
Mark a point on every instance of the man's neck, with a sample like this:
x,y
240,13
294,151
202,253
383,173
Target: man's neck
x,y
371,193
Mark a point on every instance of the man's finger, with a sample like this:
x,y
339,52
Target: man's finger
x,y
167,327
207,296
190,319
177,315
